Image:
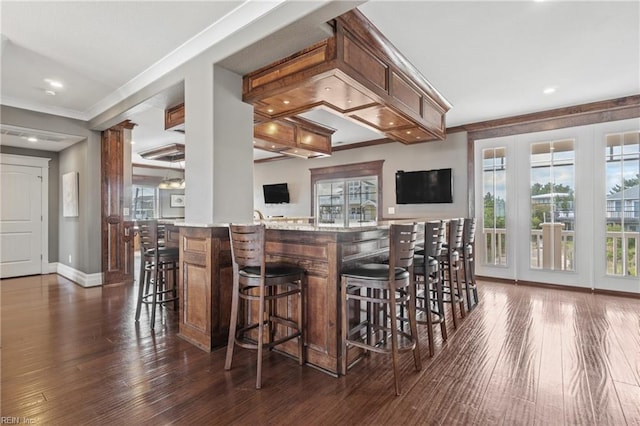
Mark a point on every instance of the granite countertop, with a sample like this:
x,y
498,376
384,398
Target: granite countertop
x,y
305,226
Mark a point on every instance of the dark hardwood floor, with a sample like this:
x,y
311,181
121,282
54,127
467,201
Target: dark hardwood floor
x,y
526,355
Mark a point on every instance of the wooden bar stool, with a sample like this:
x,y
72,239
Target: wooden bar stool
x,y
386,290
276,288
450,265
158,270
468,262
428,281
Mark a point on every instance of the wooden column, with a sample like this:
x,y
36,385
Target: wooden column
x,y
117,242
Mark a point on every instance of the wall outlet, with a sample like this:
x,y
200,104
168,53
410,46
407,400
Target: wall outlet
x,y
69,258
391,210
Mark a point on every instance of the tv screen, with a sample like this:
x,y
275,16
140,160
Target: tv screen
x,y
424,187
276,193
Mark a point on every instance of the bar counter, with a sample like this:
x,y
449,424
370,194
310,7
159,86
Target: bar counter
x,y
206,276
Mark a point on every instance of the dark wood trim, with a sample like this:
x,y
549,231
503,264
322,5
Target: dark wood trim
x,y
495,279
577,115
616,293
554,286
558,286
369,168
363,144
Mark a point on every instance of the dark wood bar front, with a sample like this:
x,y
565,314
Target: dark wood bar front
x,y
206,281
205,286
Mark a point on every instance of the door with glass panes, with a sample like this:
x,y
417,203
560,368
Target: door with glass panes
x,y
561,206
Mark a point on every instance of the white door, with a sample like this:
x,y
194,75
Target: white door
x,y
562,206
20,221
617,206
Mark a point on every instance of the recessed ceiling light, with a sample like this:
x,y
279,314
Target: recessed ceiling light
x,y
133,142
50,92
286,102
270,110
54,83
391,123
549,90
32,139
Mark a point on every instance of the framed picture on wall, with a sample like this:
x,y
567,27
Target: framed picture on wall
x,y
70,194
176,200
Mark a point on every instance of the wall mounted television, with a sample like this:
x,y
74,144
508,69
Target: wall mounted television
x,y
424,187
276,193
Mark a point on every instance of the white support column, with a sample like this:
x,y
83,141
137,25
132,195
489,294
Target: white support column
x,y
218,147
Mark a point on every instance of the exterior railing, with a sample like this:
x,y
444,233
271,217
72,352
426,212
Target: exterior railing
x,y
622,250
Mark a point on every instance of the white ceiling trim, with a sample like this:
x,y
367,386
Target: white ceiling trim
x,y
243,15
38,107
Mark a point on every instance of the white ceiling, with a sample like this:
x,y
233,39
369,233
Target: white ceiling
x,y
488,59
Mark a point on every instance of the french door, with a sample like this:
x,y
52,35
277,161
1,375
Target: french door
x,y
561,206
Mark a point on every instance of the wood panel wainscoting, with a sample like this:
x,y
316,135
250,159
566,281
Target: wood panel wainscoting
x,y
525,355
205,286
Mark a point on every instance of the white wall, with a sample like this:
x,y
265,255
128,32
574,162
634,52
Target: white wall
x,y
451,152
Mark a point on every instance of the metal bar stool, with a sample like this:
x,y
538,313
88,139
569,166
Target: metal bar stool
x,y
450,265
428,281
386,290
157,265
468,262
255,280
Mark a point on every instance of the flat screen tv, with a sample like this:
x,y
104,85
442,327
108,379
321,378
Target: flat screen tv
x,y
276,193
424,187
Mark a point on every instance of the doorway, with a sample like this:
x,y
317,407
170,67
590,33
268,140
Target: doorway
x,y
23,216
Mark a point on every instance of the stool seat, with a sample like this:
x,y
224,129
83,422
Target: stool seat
x,y
172,252
418,262
271,271
375,271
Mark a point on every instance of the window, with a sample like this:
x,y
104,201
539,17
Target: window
x,y
348,195
144,203
494,180
622,157
552,205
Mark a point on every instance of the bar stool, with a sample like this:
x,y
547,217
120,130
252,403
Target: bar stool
x,y
385,290
255,280
428,281
450,265
157,265
468,262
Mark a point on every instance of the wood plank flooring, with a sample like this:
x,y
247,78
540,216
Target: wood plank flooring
x,y
525,355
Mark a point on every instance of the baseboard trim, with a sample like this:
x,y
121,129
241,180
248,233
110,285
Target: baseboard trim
x,y
79,277
559,286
